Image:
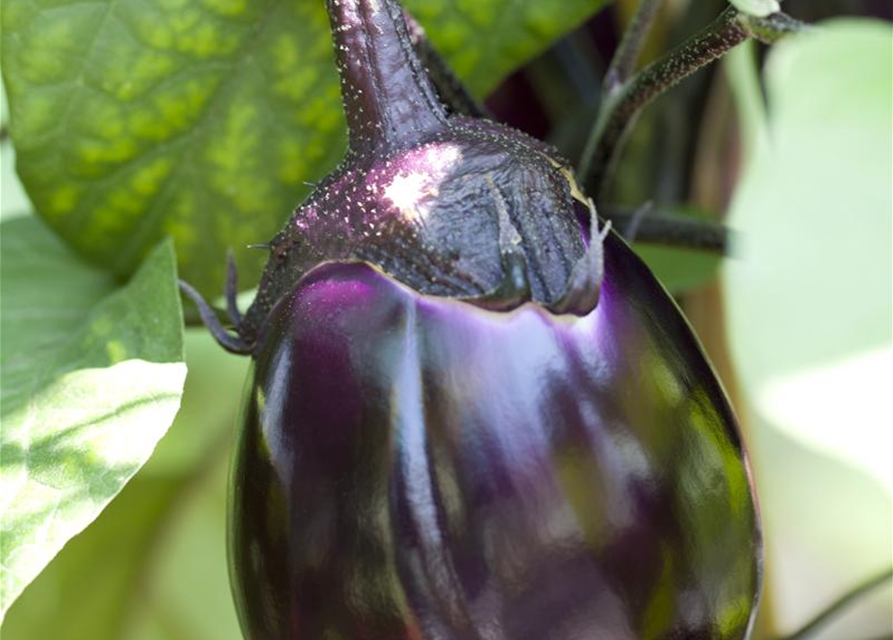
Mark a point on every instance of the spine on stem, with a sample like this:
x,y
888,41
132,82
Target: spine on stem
x,y
388,98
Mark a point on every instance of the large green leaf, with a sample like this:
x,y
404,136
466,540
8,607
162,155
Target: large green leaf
x,y
202,119
92,375
808,303
156,556
811,296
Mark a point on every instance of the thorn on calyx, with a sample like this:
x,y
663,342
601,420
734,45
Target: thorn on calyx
x,y
585,281
635,223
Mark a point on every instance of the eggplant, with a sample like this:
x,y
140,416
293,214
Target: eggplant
x,y
472,412
412,466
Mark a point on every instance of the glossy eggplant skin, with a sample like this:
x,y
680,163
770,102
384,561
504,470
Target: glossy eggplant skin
x,y
413,467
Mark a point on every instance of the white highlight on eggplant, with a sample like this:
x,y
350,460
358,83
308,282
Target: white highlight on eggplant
x,y
411,192
408,192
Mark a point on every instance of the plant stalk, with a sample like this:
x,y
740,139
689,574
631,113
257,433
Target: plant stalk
x,y
620,109
832,611
629,51
371,39
672,230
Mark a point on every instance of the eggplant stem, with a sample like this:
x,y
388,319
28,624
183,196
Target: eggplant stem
x,y
388,99
232,343
837,607
620,108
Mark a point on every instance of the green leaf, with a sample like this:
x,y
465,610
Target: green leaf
x,y
14,202
810,299
744,81
827,526
92,375
156,556
680,270
136,119
758,8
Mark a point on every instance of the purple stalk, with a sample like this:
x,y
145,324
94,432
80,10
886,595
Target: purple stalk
x,y
383,113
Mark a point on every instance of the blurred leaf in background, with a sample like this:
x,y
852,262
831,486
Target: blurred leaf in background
x,y
92,375
760,8
681,270
810,310
136,119
14,200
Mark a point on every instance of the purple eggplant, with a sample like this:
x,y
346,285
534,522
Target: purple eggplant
x,y
473,413
415,467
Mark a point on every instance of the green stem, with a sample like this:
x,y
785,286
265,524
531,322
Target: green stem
x,y
630,49
838,606
620,109
671,230
771,29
